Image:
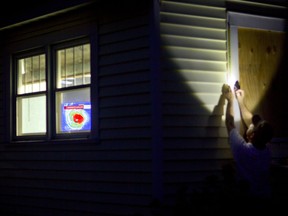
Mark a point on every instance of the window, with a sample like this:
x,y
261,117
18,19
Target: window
x,y
31,96
256,60
52,92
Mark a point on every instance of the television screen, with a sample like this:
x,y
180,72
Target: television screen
x,y
76,116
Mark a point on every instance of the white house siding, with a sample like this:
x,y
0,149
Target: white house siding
x,y
116,176
194,61
112,176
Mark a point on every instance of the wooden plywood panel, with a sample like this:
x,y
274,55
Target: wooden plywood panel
x,y
260,60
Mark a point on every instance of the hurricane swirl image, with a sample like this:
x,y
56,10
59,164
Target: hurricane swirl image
x,y
76,117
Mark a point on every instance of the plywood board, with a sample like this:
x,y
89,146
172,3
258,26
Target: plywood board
x,y
260,63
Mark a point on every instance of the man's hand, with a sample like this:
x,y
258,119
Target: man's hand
x,y
228,93
240,94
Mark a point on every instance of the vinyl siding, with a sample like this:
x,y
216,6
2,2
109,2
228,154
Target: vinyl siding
x,y
2,101
141,109
194,47
124,83
112,176
194,50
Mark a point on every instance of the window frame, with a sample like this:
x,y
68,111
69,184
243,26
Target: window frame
x,y
50,52
15,95
236,20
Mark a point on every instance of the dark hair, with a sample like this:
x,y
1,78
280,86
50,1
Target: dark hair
x,y
256,119
263,133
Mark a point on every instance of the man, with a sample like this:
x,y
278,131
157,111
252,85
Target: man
x,y
252,156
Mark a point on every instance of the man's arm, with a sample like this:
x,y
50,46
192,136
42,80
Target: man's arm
x,y
245,113
229,121
229,117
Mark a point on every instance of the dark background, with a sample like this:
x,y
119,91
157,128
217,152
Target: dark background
x,y
17,11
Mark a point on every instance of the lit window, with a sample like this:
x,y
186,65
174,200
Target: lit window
x,y
53,102
73,106
31,97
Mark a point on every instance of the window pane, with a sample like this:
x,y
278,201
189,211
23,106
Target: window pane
x,y
73,111
31,115
31,74
73,66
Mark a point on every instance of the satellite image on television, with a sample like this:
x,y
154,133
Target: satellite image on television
x,y
76,116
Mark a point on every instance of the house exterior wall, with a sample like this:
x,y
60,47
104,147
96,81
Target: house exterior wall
x,y
194,43
160,125
195,62
111,176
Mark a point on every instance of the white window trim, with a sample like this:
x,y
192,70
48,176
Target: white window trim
x,y
236,20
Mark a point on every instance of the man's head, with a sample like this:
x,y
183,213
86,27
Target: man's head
x,y
262,134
